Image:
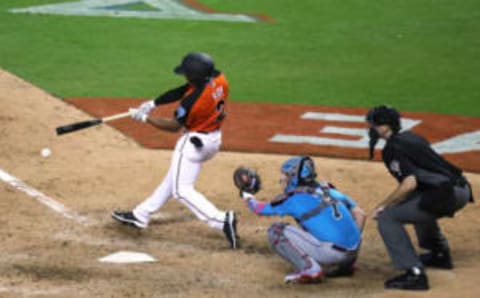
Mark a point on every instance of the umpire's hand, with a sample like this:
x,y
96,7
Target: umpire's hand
x,y
376,212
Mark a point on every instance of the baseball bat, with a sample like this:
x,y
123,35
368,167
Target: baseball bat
x,y
88,123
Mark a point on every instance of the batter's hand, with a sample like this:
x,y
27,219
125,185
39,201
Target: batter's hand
x,y
146,107
136,114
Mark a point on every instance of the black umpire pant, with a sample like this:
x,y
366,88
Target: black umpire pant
x,y
391,223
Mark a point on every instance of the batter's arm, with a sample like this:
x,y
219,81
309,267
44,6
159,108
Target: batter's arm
x,y
171,95
166,124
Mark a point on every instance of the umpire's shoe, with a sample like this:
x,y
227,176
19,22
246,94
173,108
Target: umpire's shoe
x,y
413,279
230,229
127,217
437,259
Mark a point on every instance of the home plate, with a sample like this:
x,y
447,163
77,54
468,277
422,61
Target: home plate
x,y
127,257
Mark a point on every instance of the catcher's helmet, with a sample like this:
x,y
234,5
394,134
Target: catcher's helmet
x,y
383,114
299,170
196,66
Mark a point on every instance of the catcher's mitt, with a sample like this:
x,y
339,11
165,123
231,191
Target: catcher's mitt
x,y
246,180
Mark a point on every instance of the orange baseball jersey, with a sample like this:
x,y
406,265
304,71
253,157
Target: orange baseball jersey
x,y
202,108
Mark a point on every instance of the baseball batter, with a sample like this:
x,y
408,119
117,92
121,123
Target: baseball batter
x,y
330,224
199,115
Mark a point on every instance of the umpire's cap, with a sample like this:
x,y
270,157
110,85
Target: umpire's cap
x,y
196,66
383,114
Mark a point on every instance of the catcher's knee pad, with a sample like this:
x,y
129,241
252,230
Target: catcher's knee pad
x,y
276,233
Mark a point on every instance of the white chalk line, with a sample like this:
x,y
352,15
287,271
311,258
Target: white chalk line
x,y
30,292
41,197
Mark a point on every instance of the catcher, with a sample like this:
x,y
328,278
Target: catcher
x,y
327,240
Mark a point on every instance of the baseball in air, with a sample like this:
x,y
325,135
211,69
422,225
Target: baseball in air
x,y
46,152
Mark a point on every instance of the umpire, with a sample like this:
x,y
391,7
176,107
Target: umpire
x,y
429,188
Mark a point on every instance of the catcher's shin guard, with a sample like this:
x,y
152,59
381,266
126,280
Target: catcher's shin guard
x,y
287,250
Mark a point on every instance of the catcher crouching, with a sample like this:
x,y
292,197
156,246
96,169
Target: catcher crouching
x,y
327,239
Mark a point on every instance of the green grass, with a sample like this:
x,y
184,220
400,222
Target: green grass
x,y
418,55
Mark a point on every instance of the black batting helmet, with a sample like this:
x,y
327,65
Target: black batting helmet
x,y
196,66
387,115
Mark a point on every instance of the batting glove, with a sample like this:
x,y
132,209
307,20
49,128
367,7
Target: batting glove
x,y
137,114
146,107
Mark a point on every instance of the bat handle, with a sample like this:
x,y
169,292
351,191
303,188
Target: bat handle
x,y
115,117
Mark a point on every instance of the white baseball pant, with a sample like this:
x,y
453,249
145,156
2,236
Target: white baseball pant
x,y
179,182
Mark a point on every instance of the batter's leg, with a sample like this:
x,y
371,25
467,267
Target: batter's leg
x,y
156,200
186,167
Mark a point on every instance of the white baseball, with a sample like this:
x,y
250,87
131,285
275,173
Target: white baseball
x,y
46,152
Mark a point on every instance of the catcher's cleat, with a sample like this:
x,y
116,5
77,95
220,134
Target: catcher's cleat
x,y
230,229
127,217
437,259
414,279
304,277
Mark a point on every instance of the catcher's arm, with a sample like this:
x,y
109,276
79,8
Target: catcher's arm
x,y
358,214
360,217
249,183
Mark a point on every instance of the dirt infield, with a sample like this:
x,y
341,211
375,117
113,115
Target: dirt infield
x,y
46,253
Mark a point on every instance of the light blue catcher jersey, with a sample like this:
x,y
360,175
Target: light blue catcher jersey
x,y
334,223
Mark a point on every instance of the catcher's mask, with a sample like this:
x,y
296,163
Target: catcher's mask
x,y
381,115
197,67
298,171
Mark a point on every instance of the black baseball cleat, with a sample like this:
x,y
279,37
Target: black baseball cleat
x,y
230,229
127,217
414,279
437,259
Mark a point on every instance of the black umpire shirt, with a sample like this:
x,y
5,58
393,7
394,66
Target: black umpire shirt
x,y
407,153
